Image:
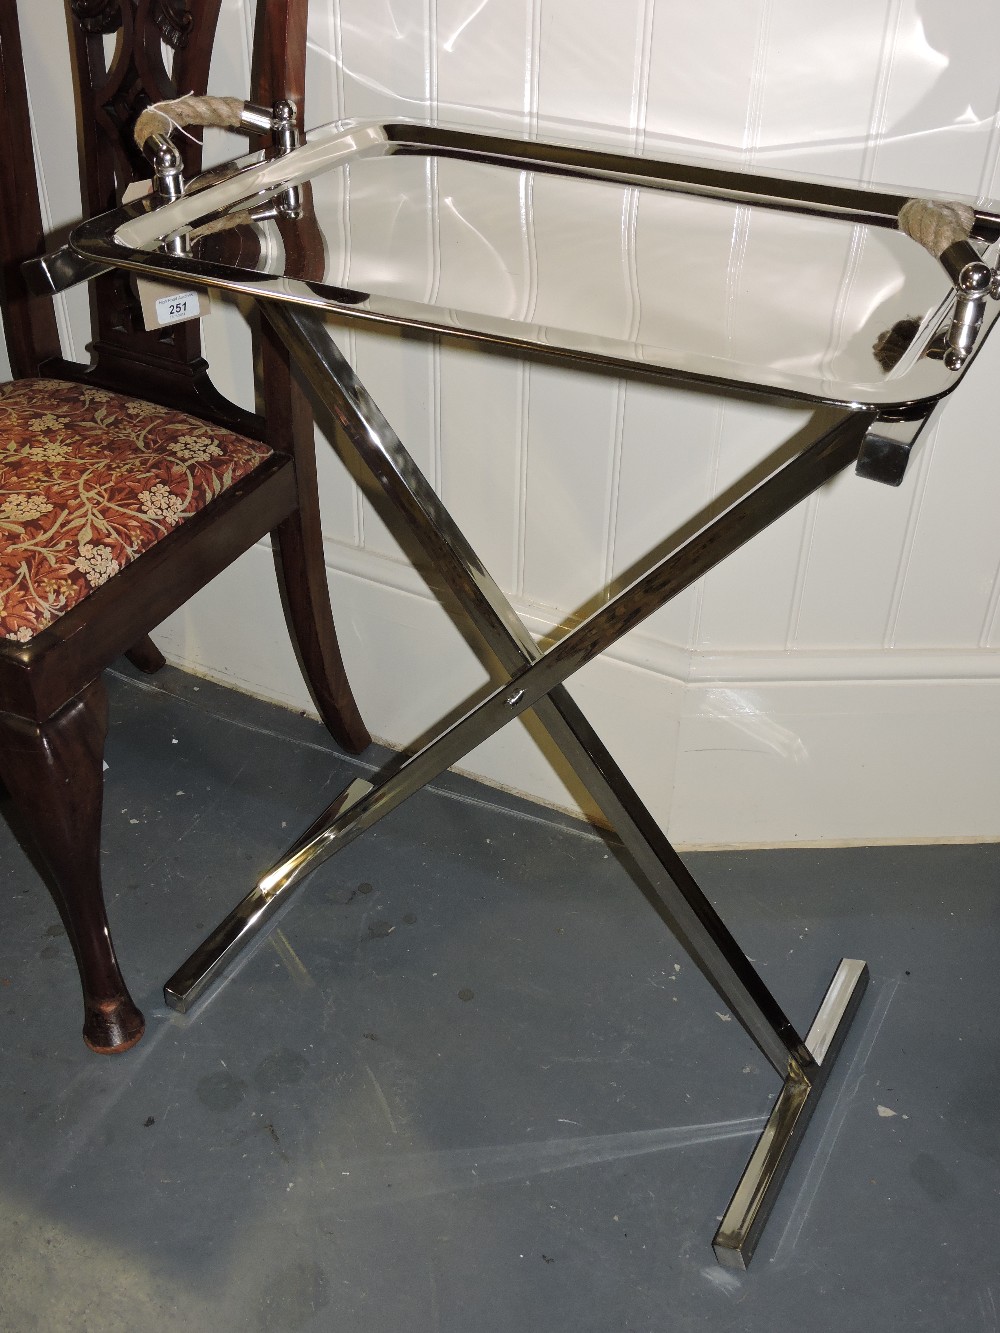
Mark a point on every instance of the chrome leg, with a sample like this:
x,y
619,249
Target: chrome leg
x,y
750,1207
535,681
232,936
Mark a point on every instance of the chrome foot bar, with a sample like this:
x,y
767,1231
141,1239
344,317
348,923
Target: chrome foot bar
x,y
750,1207
229,939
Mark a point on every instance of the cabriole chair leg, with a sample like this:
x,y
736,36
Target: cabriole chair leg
x,y
54,773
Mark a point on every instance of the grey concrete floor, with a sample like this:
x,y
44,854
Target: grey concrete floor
x,y
471,1082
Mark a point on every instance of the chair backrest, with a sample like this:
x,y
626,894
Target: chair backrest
x,y
164,365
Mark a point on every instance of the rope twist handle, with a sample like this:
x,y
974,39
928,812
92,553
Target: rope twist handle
x,y
162,117
936,224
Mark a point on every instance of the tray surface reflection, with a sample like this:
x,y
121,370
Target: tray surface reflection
x,y
686,271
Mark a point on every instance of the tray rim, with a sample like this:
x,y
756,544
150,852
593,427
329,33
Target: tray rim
x,y
125,237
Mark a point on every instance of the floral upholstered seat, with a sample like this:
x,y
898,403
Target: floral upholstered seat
x,y
88,481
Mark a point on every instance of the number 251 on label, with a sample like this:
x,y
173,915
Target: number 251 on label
x,y
177,307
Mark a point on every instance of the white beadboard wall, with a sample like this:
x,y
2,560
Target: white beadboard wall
x,y
838,679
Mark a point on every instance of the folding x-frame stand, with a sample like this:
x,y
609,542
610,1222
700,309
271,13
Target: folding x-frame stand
x,y
535,680
918,360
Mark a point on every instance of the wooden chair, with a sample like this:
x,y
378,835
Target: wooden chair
x,y
127,485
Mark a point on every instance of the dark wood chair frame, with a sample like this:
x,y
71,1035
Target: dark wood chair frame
x,y
53,705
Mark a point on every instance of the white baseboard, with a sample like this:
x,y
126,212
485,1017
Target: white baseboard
x,y
735,749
